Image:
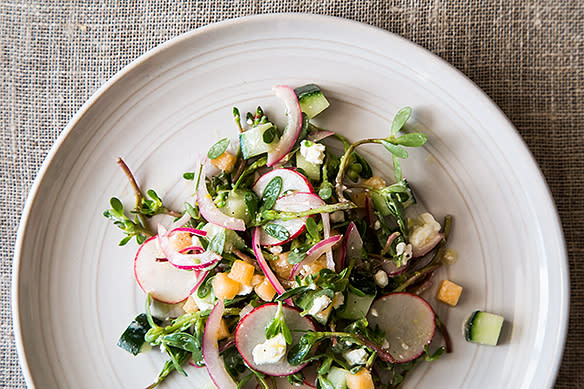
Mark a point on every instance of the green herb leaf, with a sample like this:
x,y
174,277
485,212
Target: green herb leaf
x,y
325,191
192,211
414,139
323,383
397,171
271,193
252,203
124,241
278,325
395,149
183,341
189,176
277,231
218,148
312,229
217,243
437,354
296,255
400,118
117,205
269,135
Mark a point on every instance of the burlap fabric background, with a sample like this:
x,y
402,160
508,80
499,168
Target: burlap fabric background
x,y
527,55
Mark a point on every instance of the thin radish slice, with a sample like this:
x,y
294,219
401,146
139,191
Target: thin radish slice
x,y
319,135
295,202
189,230
161,279
408,321
180,222
185,261
326,230
392,270
251,331
292,181
314,253
353,242
257,250
196,249
293,127
209,210
213,362
426,248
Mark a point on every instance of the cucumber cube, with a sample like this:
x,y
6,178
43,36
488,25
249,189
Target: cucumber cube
x,y
483,328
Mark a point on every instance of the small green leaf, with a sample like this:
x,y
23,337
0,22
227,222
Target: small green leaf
x,y
296,255
400,118
218,148
269,135
312,229
124,241
252,203
189,176
217,243
192,211
395,149
152,194
117,205
415,139
182,340
277,231
271,192
325,191
397,171
323,383
140,238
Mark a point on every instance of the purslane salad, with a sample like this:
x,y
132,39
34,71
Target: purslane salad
x,y
291,264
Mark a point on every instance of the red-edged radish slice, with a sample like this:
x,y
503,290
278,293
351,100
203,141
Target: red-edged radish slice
x,y
319,135
189,230
314,253
209,210
326,230
295,202
293,127
213,361
251,331
292,181
257,250
427,247
185,261
408,321
161,279
353,243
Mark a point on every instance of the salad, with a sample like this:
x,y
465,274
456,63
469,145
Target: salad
x,y
292,264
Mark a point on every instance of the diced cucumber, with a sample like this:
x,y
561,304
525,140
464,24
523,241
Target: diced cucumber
x,y
380,204
312,101
231,238
483,327
252,141
235,206
356,307
338,377
132,340
311,170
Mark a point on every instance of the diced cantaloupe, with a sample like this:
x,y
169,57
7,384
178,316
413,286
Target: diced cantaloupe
x,y
225,287
222,331
281,266
242,272
375,182
225,162
265,290
256,280
181,240
449,293
190,306
315,266
360,380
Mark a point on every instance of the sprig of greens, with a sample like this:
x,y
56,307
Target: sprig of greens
x,y
278,325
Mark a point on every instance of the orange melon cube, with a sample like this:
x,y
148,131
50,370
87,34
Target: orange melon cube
x,y
241,272
449,293
190,306
265,290
256,280
225,162
225,287
375,182
360,380
222,331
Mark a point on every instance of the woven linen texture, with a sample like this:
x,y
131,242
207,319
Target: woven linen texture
x,y
526,55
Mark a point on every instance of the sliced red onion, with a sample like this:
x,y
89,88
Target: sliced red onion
x,y
315,252
202,276
180,222
369,215
319,135
257,250
390,240
213,362
227,345
189,230
293,127
326,229
185,261
210,211
196,249
425,249
353,242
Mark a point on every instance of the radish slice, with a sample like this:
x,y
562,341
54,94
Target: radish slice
x,y
210,211
353,242
314,253
196,249
193,231
257,250
213,362
326,229
425,249
181,222
251,331
291,181
185,261
162,280
295,202
408,321
319,135
293,127
392,270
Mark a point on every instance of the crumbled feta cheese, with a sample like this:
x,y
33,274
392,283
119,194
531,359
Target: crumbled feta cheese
x,y
319,304
312,286
244,290
271,351
338,300
424,229
407,252
374,312
312,152
381,279
276,250
376,225
356,357
399,249
338,217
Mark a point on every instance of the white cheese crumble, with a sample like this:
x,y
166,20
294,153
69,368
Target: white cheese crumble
x,y
338,300
318,304
271,351
244,289
424,229
338,217
276,250
374,312
356,357
376,225
312,152
381,279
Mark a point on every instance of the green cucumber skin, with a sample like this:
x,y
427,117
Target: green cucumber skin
x,y
483,328
356,307
311,99
252,142
312,171
338,377
132,340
